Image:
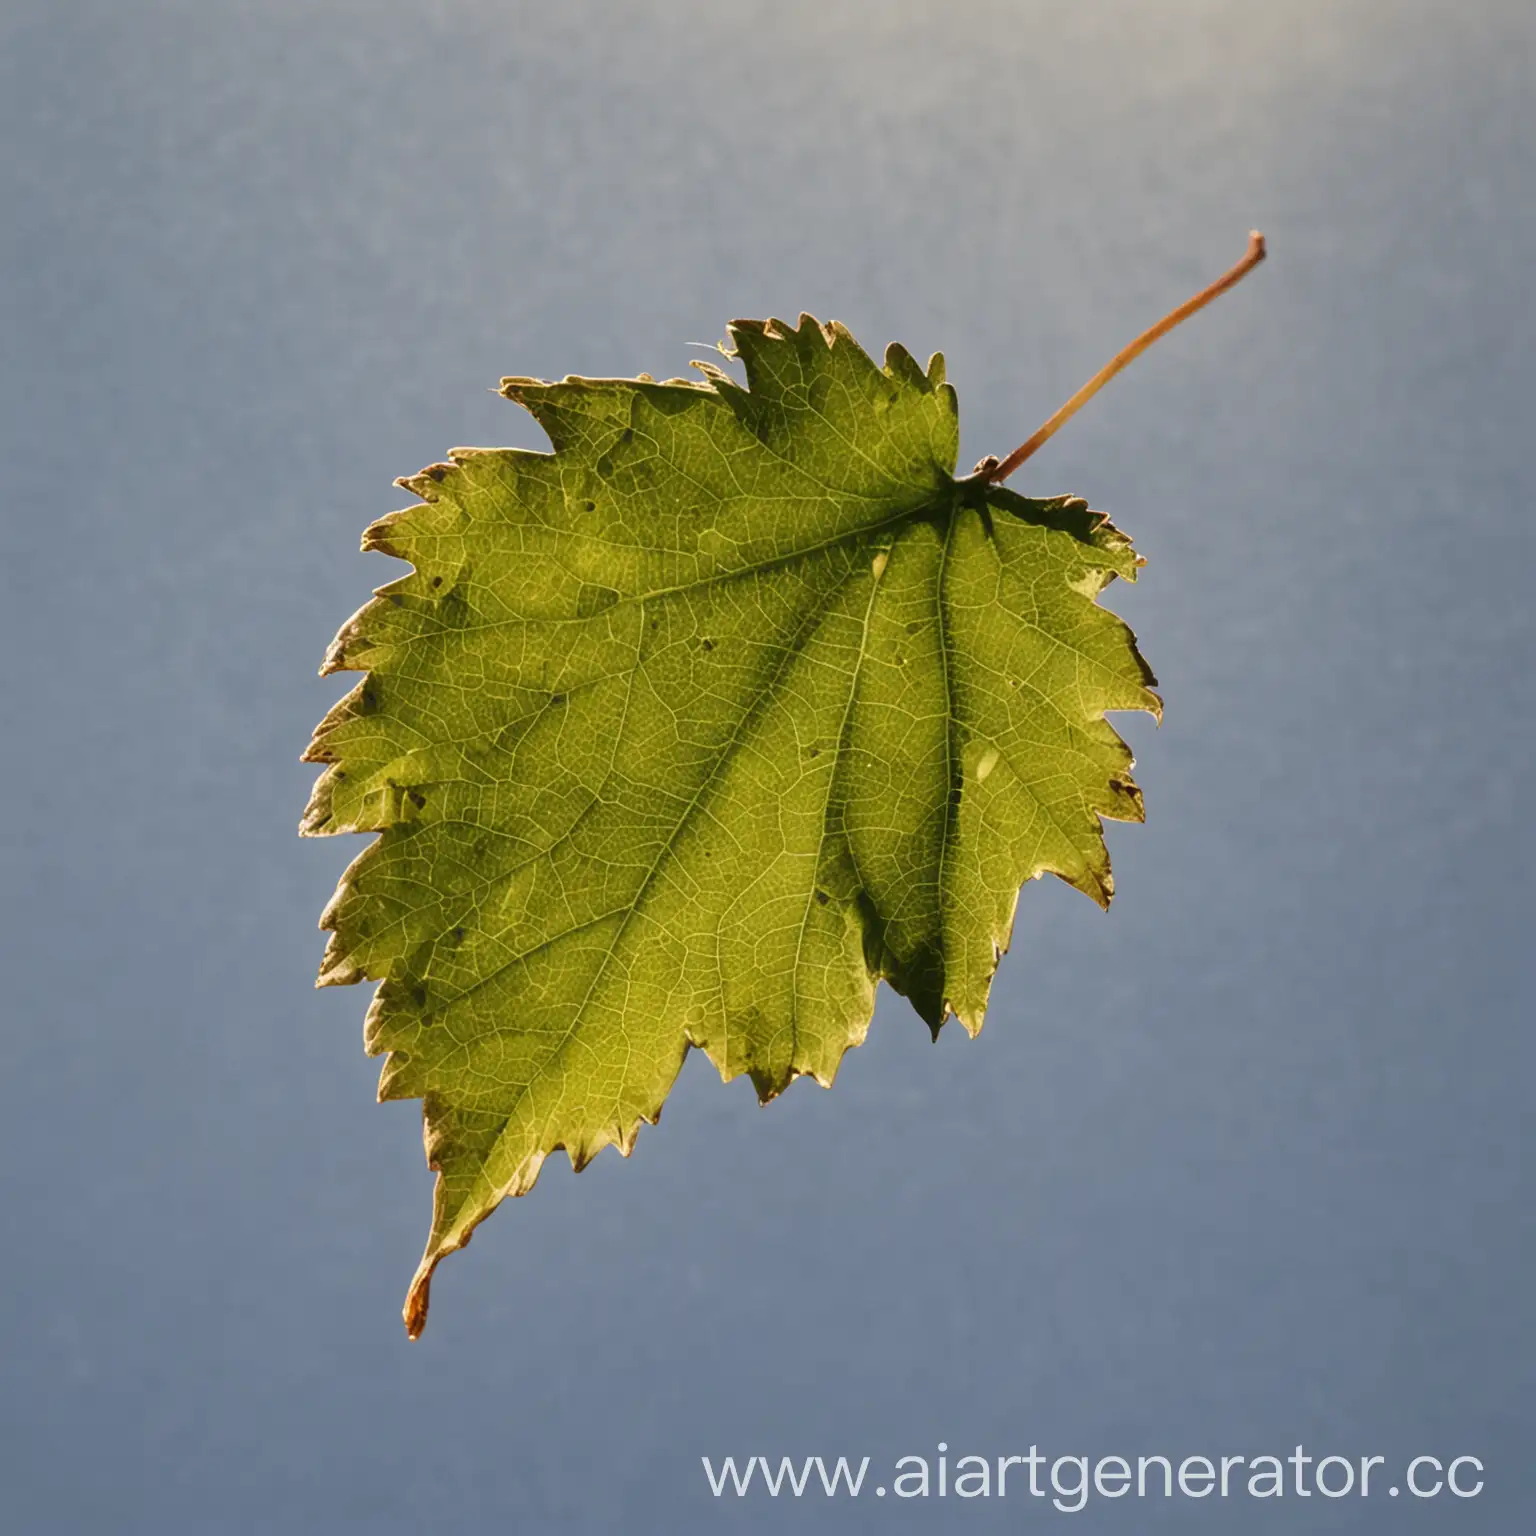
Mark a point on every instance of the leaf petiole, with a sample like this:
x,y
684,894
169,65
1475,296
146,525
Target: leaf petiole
x,y
997,471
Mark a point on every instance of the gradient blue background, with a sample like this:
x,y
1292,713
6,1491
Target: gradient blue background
x,y
1247,1162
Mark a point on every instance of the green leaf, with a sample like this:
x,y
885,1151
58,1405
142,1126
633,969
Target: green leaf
x,y
689,732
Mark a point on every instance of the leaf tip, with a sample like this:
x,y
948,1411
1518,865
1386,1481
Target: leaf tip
x,y
972,1017
418,1299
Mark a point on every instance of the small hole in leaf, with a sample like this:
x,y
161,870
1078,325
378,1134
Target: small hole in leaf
x,y
589,506
416,798
821,898
709,645
437,581
627,435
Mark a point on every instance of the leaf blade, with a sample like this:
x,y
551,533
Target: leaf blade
x,y
689,732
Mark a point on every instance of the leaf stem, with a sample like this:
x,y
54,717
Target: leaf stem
x,y
997,472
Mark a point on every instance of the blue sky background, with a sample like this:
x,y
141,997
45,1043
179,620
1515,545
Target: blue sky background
x,y
1244,1164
